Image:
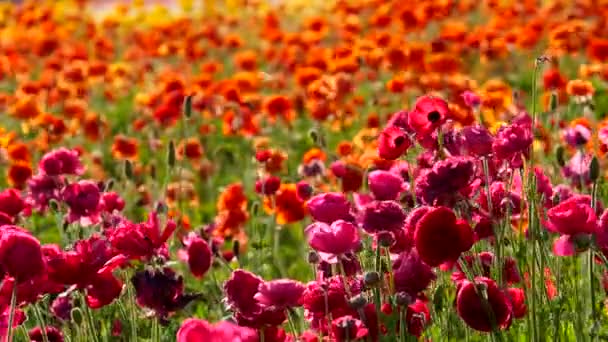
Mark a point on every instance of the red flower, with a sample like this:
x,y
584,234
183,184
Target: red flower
x,y
393,142
472,309
20,254
11,202
518,301
141,240
440,237
268,185
102,289
199,256
429,113
83,200
417,317
111,201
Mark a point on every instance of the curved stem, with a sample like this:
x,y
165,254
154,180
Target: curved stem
x,y
11,315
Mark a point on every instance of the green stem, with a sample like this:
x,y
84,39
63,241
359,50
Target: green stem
x,y
11,315
40,319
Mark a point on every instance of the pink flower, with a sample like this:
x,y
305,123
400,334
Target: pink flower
x,y
331,241
445,183
471,99
385,185
83,200
111,201
61,161
573,220
329,207
52,334
42,189
477,140
280,293
195,330
411,274
513,142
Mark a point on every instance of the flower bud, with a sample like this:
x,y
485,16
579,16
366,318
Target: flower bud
x,y
371,279
313,257
358,302
403,299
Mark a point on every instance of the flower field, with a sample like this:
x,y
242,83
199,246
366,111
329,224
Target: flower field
x,y
268,171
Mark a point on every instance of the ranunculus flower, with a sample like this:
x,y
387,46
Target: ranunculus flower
x,y
417,317
320,296
329,207
20,254
512,143
141,240
11,202
332,241
195,330
577,136
111,201
441,237
347,329
477,140
52,334
83,200
380,216
470,306
393,142
446,182
61,161
304,191
385,185
268,185
428,114
471,99
503,202
517,297
573,219
280,293
199,256
411,274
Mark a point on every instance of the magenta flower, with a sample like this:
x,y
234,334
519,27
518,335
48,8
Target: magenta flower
x,y
380,216
20,254
385,185
332,241
195,330
577,136
502,201
329,207
471,99
141,240
577,169
477,140
199,256
280,293
512,143
42,189
83,200
445,182
411,274
111,201
573,220
61,162
11,202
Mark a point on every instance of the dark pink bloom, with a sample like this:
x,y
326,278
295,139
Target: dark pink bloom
x,y
18,319
471,309
393,142
517,297
141,240
62,307
578,169
445,183
401,168
577,136
20,254
280,293
382,216
400,119
82,199
61,161
111,201
347,329
11,202
471,99
314,297
503,202
329,207
428,114
43,188
103,288
303,191
441,237
417,317
195,330
411,274
161,291
268,185
199,256
52,334
331,241
477,140
512,143
385,185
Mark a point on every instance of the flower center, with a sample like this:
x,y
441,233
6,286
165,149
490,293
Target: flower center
x,y
434,116
399,140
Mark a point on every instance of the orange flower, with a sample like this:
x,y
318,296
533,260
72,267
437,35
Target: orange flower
x,y
233,197
27,107
287,207
124,147
313,154
246,60
597,50
274,164
581,90
94,127
18,174
396,84
344,148
279,105
19,152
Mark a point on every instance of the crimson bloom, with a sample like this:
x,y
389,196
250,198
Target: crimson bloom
x,y
441,237
11,202
393,142
381,216
83,200
199,256
268,185
20,254
475,313
513,142
417,317
446,182
335,240
428,114
411,274
141,240
194,330
348,328
477,140
280,293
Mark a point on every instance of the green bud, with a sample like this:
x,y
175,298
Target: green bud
x,y
594,169
559,155
553,102
171,154
128,169
188,106
76,315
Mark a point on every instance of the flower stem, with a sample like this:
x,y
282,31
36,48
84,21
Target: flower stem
x,y
40,319
11,315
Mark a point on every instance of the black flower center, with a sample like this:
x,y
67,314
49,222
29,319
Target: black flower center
x,y
434,116
399,140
